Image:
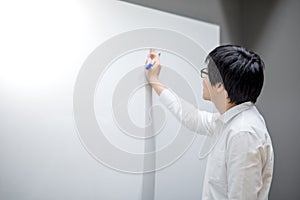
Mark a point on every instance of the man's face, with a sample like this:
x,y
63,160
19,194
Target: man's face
x,y
211,93
216,94
207,89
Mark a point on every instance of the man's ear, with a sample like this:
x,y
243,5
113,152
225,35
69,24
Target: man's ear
x,y
220,87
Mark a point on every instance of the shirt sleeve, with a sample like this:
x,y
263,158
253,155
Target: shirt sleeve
x,y
191,117
244,167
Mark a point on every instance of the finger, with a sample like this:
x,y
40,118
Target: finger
x,y
153,53
151,50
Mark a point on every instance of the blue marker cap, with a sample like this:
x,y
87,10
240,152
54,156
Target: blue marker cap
x,y
149,66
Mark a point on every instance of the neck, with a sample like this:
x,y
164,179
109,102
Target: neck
x,y
229,105
224,106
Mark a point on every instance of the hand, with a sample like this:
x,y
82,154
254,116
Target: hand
x,y
153,73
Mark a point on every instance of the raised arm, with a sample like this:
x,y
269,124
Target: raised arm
x,y
191,117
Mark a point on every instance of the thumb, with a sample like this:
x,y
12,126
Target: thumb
x,y
151,50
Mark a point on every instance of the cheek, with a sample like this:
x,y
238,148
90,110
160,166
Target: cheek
x,y
206,93
205,85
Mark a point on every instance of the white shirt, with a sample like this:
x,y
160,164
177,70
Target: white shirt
x,y
240,166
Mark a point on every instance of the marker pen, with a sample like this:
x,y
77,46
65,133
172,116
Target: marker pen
x,y
151,64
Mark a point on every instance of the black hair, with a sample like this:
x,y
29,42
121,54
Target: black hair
x,y
240,71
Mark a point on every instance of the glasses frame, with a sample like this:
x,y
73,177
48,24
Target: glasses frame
x,y
203,72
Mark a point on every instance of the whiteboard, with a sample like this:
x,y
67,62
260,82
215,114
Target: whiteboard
x,y
49,51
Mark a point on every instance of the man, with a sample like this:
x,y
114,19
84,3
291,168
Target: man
x,y
240,164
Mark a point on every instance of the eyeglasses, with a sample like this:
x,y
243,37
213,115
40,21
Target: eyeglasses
x,y
203,73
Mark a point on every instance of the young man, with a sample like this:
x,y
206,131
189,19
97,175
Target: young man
x,y
240,166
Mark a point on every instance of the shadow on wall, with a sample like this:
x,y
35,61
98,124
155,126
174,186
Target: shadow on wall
x,y
254,17
211,11
242,22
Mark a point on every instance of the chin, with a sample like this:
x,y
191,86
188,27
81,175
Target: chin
x,y
206,98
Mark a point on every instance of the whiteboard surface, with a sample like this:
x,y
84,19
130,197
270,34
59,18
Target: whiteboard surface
x,y
43,48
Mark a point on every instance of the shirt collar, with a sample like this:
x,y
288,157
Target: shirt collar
x,y
229,114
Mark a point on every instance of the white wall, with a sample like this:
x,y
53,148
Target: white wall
x,y
44,49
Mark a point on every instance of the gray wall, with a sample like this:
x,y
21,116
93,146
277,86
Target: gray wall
x,y
219,12
271,29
